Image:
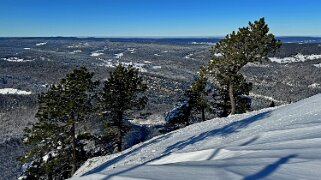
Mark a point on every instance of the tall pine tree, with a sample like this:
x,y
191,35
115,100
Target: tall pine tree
x,y
123,91
249,44
222,101
54,148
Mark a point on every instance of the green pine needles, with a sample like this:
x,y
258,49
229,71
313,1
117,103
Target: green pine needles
x,y
54,150
123,91
57,141
249,44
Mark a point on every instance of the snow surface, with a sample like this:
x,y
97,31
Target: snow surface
x,y
266,97
317,65
297,58
96,54
275,143
131,50
157,67
203,43
14,91
41,44
119,55
218,54
76,51
15,59
314,85
189,56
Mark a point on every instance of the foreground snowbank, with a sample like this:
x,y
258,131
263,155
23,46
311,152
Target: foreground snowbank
x,y
274,143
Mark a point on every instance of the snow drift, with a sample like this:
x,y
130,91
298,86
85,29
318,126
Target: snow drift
x,y
275,143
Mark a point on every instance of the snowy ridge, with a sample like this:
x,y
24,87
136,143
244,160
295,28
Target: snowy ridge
x,y
297,58
274,143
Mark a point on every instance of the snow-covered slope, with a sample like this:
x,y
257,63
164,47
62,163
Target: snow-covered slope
x,y
274,143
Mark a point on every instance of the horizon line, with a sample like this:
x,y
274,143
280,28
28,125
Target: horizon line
x,y
151,37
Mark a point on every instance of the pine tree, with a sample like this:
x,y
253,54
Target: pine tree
x,y
193,101
222,101
55,149
249,44
198,93
123,91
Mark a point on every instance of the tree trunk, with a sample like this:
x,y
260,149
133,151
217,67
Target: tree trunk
x,y
232,98
188,114
73,145
203,114
120,134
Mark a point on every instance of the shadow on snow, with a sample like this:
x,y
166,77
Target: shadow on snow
x,y
226,130
270,168
123,156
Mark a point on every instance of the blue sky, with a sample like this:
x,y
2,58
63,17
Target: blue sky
x,y
155,17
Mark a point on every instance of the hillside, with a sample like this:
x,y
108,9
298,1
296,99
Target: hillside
x,y
30,65
274,143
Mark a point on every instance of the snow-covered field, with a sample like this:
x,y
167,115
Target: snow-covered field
x,y
119,55
15,59
266,97
189,56
317,65
296,58
76,51
275,143
14,91
95,54
41,44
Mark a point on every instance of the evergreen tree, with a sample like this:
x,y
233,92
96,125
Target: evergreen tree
x,y
194,100
198,93
123,91
222,100
249,44
55,151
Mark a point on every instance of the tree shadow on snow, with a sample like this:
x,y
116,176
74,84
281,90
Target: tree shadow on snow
x,y
270,168
250,141
123,156
224,131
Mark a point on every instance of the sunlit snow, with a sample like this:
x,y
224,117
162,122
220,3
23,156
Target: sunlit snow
x,y
41,44
297,58
95,54
14,91
274,143
15,59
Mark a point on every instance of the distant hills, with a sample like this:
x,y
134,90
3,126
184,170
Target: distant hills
x,y
183,40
